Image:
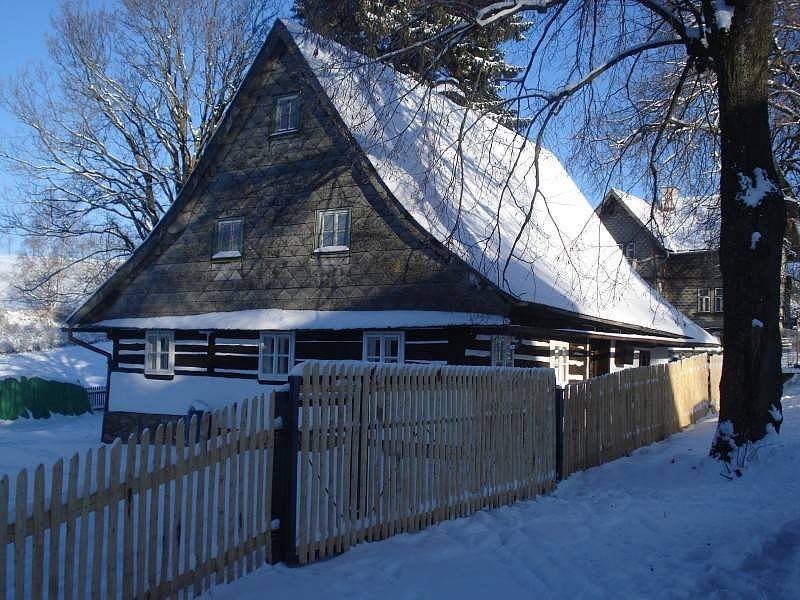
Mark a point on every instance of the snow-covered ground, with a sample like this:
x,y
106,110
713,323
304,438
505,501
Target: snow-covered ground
x,y
662,523
27,443
72,364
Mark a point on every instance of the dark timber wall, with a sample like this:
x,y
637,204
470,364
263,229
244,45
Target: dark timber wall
x,y
277,183
235,353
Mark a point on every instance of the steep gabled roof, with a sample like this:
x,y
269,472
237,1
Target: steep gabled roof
x,y
691,225
473,185
478,188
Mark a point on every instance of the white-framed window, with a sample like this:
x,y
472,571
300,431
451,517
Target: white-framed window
x,y
502,351
704,300
333,230
630,249
384,346
718,305
287,113
228,238
276,354
159,352
559,361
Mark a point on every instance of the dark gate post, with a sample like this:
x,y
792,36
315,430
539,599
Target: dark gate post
x,y
284,479
559,398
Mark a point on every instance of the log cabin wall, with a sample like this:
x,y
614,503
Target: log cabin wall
x,y
235,353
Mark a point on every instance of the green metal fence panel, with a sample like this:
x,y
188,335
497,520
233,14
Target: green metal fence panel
x,y
39,398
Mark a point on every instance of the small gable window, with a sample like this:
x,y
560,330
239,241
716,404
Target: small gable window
x,y
276,356
384,347
333,230
287,113
228,239
159,356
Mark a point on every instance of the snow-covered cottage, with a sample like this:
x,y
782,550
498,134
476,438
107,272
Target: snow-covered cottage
x,y
344,211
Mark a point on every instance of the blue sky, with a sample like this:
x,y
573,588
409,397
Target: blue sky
x,y
23,32
22,42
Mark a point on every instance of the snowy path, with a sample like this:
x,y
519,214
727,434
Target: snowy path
x,y
662,523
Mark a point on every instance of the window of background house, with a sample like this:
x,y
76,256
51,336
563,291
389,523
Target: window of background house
x,y
644,358
276,356
333,230
381,347
159,353
704,300
718,300
287,113
502,351
228,238
559,361
630,249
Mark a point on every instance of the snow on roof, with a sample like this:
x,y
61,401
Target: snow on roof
x,y
691,224
476,186
279,319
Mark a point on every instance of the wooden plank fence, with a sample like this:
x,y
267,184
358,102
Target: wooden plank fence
x,y
386,449
188,507
609,416
365,452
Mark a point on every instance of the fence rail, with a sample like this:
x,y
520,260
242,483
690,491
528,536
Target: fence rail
x,y
145,520
389,449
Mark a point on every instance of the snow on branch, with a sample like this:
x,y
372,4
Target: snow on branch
x,y
500,10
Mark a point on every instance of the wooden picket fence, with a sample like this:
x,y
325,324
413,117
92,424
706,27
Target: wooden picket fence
x,y
188,507
386,449
609,416
365,452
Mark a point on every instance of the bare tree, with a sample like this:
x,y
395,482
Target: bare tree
x,y
118,118
681,85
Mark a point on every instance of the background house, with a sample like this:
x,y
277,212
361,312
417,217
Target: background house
x,y
674,246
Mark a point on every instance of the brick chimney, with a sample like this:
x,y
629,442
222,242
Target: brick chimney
x,y
669,196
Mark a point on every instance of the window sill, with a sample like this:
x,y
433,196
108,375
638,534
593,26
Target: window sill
x,y
226,255
273,379
331,249
163,375
283,132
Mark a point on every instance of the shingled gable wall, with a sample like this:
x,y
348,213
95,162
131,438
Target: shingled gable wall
x,y
277,183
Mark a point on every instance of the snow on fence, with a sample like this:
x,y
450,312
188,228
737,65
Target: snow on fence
x,y
607,417
392,448
167,516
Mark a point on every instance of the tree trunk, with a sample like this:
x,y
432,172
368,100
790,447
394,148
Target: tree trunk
x,y
752,230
